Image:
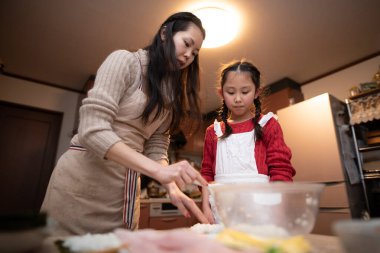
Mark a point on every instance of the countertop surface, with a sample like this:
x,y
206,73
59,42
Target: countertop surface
x,y
324,243
162,200
320,244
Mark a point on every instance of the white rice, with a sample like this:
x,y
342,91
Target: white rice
x,y
92,242
207,228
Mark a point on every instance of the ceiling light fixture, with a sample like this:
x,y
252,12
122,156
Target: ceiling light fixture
x,y
221,25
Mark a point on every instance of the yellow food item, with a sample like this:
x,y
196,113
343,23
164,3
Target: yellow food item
x,y
240,240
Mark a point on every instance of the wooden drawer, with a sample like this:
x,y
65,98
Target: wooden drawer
x,y
169,222
327,218
164,222
335,196
144,216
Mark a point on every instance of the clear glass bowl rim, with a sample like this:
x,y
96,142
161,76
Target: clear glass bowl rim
x,y
279,187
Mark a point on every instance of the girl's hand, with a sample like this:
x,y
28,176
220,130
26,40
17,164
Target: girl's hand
x,y
209,215
185,204
182,173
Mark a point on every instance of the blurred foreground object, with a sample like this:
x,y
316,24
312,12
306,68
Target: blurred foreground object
x,y
359,235
22,232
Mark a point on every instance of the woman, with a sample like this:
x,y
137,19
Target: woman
x,y
125,121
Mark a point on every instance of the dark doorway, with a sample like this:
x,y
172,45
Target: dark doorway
x,y
28,141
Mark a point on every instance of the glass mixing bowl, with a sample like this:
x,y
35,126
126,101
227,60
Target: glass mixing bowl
x,y
276,209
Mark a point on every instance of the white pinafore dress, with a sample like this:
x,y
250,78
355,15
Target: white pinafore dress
x,y
235,159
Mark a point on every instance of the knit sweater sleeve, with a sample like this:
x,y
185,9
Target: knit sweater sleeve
x,y
278,154
209,151
99,109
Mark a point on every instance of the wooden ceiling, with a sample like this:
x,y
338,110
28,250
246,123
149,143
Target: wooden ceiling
x,y
62,43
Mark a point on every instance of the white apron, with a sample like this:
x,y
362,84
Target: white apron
x,y
235,159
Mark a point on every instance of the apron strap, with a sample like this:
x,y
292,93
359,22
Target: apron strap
x,y
264,119
130,190
131,177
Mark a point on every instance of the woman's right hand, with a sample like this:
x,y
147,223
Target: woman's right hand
x,y
209,215
206,208
182,173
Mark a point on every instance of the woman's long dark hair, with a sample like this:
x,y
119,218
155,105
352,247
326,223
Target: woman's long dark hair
x,y
168,86
242,66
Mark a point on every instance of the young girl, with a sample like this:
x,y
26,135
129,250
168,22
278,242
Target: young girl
x,y
246,146
125,121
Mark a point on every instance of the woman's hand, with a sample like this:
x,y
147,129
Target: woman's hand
x,y
206,206
185,204
182,173
169,241
209,215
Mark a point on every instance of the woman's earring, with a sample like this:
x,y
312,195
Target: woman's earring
x,y
163,33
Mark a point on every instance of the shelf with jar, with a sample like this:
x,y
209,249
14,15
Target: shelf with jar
x,y
364,112
365,106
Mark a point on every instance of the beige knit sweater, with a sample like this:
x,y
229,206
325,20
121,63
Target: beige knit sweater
x,y
87,193
111,111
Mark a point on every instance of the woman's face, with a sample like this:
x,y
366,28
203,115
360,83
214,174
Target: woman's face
x,y
238,93
187,45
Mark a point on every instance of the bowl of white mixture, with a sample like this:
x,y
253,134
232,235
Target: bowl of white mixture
x,y
275,209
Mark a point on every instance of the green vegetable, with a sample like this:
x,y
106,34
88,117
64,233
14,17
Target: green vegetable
x,y
274,250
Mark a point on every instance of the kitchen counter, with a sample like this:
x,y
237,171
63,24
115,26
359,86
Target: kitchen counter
x,y
162,200
320,244
324,243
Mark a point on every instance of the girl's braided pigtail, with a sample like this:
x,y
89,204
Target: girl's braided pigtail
x,y
223,113
258,129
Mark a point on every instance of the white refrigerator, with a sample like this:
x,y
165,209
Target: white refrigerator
x,y
317,132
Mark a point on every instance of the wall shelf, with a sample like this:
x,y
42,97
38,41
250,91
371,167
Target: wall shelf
x,y
369,148
360,107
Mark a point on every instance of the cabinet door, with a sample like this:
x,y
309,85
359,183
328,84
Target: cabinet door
x,y
334,196
144,216
326,219
170,222
28,140
281,99
193,220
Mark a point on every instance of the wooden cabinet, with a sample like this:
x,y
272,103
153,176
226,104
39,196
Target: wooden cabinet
x,y
144,215
163,222
281,94
326,219
169,222
195,140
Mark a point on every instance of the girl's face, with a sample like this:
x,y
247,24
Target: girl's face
x,y
238,92
187,45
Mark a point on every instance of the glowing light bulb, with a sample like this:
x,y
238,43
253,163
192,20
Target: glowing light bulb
x,y
221,25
